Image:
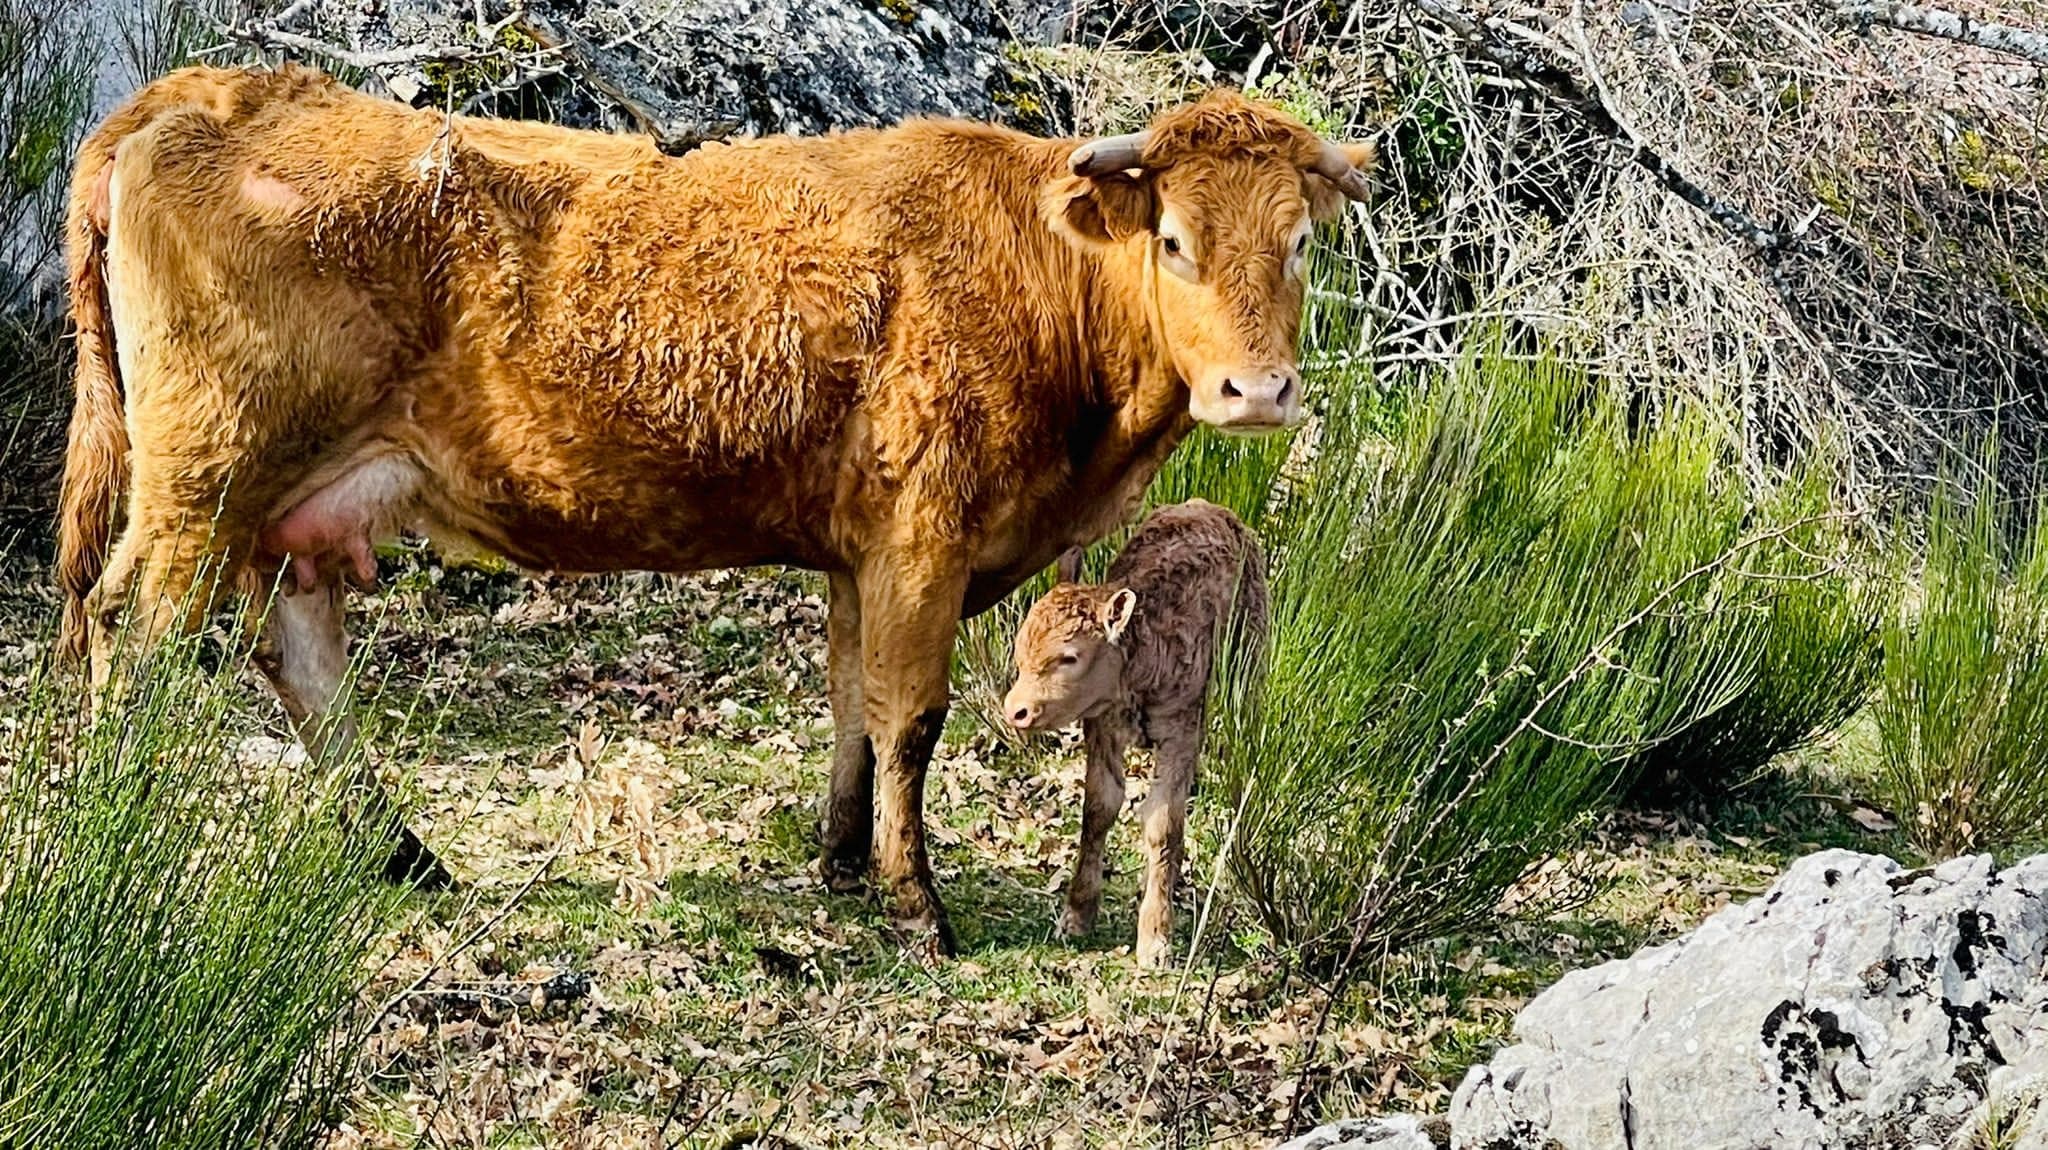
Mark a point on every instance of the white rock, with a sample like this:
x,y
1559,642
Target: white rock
x,y
1853,1005
1397,1133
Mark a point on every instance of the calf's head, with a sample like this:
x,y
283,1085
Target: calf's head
x,y
1215,201
1069,656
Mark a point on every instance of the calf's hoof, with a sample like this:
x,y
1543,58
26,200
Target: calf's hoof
x,y
1155,953
411,863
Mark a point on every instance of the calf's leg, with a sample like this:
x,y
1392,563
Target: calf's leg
x,y
302,649
1105,740
1164,815
909,605
847,830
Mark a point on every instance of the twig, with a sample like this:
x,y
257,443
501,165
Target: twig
x,y
262,36
2021,42
488,925
1565,89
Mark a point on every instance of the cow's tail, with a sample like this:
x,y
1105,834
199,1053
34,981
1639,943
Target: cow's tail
x,y
96,455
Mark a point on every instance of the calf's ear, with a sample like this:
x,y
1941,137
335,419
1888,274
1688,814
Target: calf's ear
x,y
1116,614
1092,210
1069,567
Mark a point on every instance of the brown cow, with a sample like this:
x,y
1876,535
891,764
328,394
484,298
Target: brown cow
x,y
923,361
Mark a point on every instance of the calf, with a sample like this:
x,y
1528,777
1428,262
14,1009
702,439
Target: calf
x,y
1130,658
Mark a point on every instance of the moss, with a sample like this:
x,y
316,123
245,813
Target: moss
x,y
904,10
1981,166
2025,286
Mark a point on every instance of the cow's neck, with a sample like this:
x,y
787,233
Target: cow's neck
x,y
1130,363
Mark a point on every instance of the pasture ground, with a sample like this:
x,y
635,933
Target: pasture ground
x,y
623,772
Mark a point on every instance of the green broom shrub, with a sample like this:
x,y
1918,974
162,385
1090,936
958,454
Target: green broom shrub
x,y
1962,714
183,934
1474,644
1821,603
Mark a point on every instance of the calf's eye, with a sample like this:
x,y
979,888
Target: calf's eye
x,y
1069,659
1172,246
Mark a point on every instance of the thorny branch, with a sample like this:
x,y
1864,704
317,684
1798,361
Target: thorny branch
x,y
2027,45
1485,36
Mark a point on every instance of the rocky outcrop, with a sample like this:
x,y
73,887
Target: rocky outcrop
x,y
689,70
1856,1005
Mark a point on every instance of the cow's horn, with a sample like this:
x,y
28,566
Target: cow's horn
x,y
1109,154
1333,165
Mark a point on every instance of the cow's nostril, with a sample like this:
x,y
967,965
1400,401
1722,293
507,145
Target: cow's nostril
x,y
1286,389
1230,390
1022,714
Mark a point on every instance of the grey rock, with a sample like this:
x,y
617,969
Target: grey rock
x,y
1396,1133
691,70
1855,1004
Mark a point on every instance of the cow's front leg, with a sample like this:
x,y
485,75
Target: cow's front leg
x,y
909,604
847,830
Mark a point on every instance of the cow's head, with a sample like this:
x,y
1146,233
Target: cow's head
x,y
1216,200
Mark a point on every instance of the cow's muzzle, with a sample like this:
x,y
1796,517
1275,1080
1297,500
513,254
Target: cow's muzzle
x,y
1248,400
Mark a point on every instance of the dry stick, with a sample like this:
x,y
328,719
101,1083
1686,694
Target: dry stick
x,y
2021,42
1564,89
266,38
488,925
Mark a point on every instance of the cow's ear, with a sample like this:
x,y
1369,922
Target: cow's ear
x,y
1325,200
1116,614
1098,209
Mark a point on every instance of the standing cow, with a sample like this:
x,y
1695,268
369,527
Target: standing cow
x,y
923,361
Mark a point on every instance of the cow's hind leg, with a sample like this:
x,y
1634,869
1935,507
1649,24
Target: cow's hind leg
x,y
910,604
302,648
847,831
166,572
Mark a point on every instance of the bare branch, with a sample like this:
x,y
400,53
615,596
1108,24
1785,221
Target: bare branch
x,y
621,86
267,38
1485,36
2021,42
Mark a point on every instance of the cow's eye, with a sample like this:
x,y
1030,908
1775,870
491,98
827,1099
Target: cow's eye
x,y
1069,659
1301,245
1174,257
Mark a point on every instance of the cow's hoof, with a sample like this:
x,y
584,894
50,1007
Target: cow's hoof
x,y
412,864
928,943
843,875
1075,921
922,926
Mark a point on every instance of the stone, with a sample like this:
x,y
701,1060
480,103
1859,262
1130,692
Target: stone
x,y
1855,1004
1401,1132
687,71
